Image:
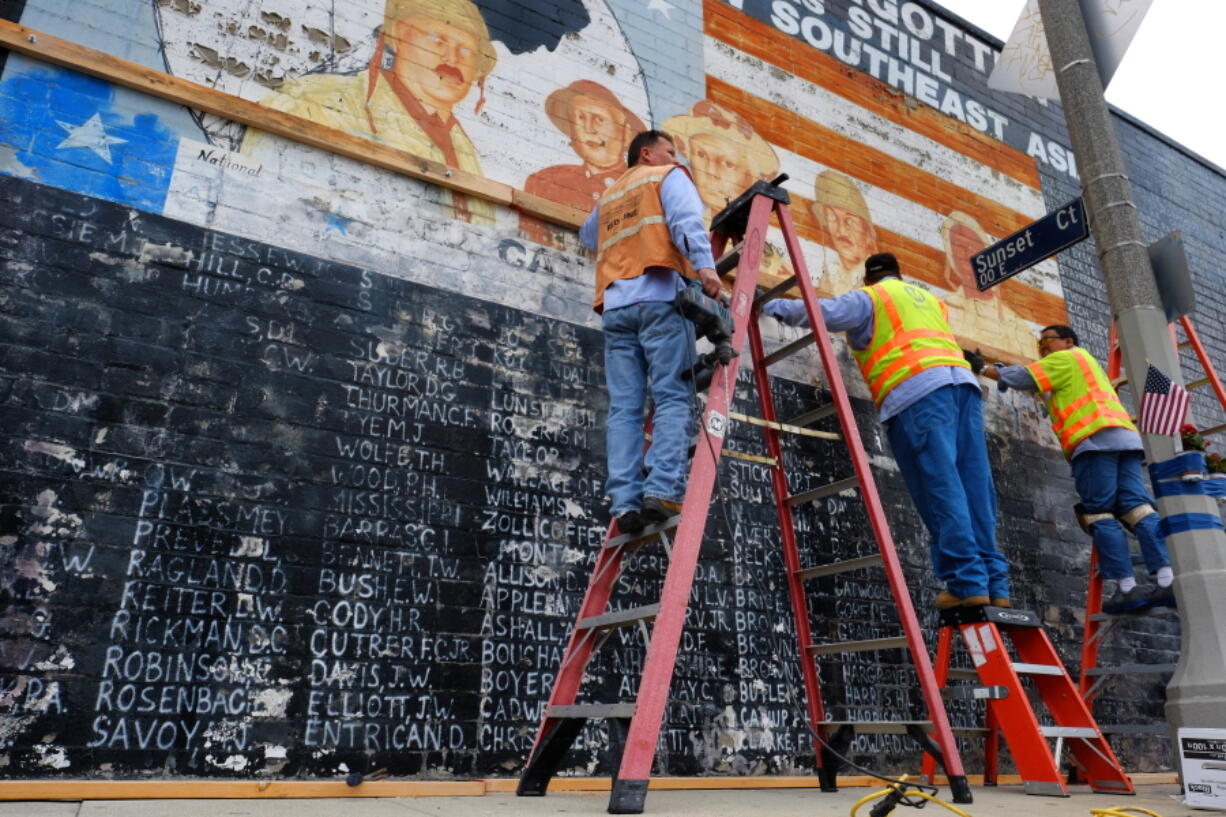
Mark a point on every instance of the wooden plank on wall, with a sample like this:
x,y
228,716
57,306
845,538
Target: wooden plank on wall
x,y
46,48
230,789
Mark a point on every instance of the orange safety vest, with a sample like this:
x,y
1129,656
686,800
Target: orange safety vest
x,y
633,231
910,334
1080,399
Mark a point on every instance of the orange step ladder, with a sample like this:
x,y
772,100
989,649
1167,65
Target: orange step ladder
x,y
987,633
636,724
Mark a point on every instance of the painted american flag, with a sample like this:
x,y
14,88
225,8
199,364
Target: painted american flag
x,y
1164,404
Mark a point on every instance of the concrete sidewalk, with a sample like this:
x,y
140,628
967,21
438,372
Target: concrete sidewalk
x,y
1003,801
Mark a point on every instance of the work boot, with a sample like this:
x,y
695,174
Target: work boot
x,y
656,510
1162,597
631,522
1002,602
1131,601
948,601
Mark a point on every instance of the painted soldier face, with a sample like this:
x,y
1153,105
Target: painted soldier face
x,y
437,61
598,132
964,243
720,170
853,237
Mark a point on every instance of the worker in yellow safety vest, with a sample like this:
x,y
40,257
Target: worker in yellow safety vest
x,y
1105,452
930,403
649,236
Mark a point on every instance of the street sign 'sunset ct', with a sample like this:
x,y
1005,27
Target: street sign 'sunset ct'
x,y
1025,248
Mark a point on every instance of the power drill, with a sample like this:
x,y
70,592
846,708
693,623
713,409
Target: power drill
x,y
712,320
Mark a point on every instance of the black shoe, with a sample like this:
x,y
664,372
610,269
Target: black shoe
x,y
1131,601
656,511
1162,596
631,522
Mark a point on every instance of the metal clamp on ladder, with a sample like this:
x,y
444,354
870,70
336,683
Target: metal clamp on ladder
x,y
987,633
743,224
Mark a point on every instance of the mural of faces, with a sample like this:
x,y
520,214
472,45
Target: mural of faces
x,y
725,153
436,60
598,131
963,238
852,237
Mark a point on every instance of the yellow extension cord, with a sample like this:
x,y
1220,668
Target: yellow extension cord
x,y
1116,811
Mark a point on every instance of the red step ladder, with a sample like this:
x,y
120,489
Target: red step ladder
x,y
986,634
744,223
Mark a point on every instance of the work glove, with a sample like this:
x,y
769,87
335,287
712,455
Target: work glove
x,y
974,358
1001,385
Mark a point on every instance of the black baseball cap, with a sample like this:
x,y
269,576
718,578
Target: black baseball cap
x,y
881,263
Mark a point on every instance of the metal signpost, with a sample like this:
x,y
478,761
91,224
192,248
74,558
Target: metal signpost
x,y
1044,238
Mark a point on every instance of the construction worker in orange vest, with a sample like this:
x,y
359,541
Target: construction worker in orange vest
x,y
930,404
649,236
1105,452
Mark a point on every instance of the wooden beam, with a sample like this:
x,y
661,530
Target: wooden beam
x,y
46,48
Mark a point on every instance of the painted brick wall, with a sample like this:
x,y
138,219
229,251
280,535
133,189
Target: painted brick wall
x,y
303,474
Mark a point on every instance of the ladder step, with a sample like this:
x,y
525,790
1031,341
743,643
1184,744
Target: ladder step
x,y
788,349
737,455
1037,669
824,491
1129,669
1214,430
775,291
649,532
875,727
859,646
1199,383
959,674
844,566
591,711
1068,731
729,260
812,416
620,618
1187,344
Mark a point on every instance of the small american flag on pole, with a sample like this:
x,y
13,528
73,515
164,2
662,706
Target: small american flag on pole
x,y
1164,404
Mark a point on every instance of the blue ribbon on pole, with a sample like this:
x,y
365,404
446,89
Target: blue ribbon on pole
x,y
1178,465
1181,523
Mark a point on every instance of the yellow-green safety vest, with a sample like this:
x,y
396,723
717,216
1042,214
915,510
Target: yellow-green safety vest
x,y
1080,399
910,334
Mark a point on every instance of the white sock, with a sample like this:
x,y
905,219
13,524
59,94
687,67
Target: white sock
x,y
1127,583
1165,576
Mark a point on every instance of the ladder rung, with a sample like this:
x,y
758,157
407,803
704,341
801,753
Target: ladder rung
x,y
784,427
824,491
1129,669
1187,344
649,532
1156,612
1196,384
728,261
1068,731
787,349
1214,430
819,413
1133,728
844,566
620,618
591,711
777,290
1037,669
859,646
960,674
1122,380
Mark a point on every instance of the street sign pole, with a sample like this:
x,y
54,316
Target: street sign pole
x,y
1196,695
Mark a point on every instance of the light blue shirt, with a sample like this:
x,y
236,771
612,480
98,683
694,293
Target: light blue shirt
x,y
1114,438
683,214
852,313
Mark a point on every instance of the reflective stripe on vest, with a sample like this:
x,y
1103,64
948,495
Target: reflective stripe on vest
x,y
1080,400
633,232
910,334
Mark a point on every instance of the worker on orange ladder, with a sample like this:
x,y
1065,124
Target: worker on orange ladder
x,y
649,236
930,404
1105,452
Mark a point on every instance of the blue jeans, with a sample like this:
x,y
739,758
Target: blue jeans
x,y
1112,482
642,342
939,445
